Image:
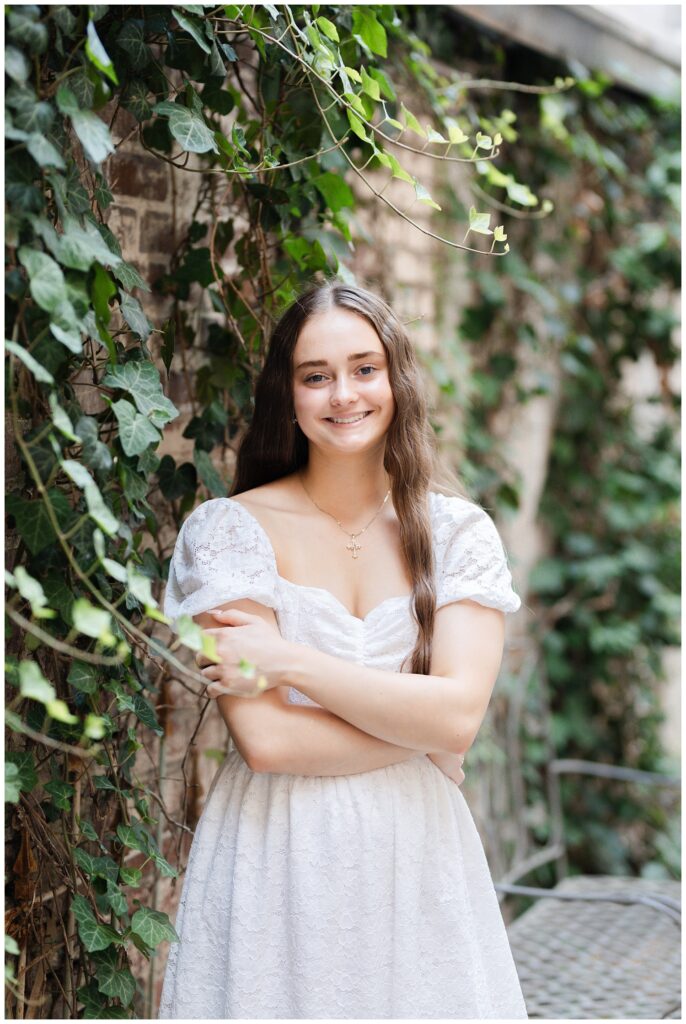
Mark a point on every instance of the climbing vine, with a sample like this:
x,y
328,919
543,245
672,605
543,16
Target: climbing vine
x,y
276,109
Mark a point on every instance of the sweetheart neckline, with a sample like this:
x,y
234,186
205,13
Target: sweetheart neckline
x,y
321,590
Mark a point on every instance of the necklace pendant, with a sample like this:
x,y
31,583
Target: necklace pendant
x,y
353,546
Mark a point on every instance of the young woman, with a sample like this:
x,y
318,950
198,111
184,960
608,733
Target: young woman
x,y
336,871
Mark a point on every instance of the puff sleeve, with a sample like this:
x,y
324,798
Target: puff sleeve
x,y
470,559
221,554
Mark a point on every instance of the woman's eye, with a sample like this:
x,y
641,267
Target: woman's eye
x,y
311,379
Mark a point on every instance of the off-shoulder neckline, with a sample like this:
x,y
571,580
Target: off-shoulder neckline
x,y
322,590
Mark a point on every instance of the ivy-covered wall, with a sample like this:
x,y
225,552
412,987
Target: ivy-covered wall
x,y
174,177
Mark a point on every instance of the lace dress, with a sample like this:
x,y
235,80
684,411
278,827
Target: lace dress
x,y
354,896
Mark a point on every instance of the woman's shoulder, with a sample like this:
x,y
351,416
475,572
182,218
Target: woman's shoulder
x,y
455,510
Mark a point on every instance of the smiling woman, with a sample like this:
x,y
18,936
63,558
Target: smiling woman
x,y
336,870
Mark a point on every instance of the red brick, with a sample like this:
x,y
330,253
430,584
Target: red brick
x,y
143,176
156,232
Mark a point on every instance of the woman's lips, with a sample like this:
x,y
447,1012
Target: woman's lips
x,y
354,423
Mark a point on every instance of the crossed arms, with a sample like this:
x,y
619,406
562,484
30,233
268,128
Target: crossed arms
x,y
371,718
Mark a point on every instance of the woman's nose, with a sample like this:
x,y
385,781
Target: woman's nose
x,y
343,391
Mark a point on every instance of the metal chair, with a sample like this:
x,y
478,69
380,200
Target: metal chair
x,y
595,946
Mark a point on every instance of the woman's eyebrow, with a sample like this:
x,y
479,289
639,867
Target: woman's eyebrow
x,y
351,358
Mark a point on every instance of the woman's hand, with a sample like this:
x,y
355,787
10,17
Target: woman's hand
x,y
241,637
450,765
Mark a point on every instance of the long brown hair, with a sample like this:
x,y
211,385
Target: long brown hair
x,y
274,446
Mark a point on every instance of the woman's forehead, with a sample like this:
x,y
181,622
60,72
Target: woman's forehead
x,y
335,330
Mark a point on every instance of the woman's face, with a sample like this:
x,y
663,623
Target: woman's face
x,y
350,378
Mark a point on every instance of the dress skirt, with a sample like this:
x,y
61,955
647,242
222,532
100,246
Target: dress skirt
x,y
354,896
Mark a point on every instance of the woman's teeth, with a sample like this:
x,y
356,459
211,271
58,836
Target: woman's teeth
x,y
348,419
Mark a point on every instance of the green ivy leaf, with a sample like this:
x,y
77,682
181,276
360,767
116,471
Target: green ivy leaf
x,y
114,981
142,381
328,28
83,677
129,278
521,194
194,29
32,520
93,935
411,121
132,42
92,621
424,197
370,85
153,927
97,509
58,710
117,900
16,65
479,222
132,312
33,684
136,432
208,474
369,30
130,876
46,278
70,339
94,453
93,134
61,793
142,709
25,776
335,190
32,591
357,126
136,100
188,128
26,28
12,783
38,371
97,54
79,246
43,151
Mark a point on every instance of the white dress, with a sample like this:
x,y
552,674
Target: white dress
x,y
351,896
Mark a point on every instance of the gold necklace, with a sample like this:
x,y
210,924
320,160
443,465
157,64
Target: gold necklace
x,y
353,545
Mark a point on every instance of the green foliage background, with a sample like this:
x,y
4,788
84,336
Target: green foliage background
x,y
273,106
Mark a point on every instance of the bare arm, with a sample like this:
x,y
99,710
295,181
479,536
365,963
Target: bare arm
x,y
439,712
275,736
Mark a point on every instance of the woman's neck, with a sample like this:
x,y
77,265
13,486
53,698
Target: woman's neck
x,y
346,488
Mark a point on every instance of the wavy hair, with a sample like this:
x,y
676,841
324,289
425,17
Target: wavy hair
x,y
411,459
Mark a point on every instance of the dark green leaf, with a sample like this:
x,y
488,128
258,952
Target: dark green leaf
x,y
142,381
16,65
136,432
83,677
132,42
93,935
335,190
38,371
194,29
188,128
208,474
114,981
61,793
153,927
132,312
94,453
25,777
46,278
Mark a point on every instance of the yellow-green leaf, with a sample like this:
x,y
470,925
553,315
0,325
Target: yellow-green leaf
x,y
357,126
411,121
328,28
